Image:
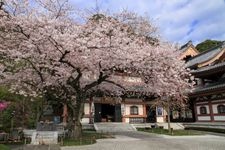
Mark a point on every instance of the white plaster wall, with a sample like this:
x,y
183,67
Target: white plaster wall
x,y
219,118
159,119
214,106
164,112
127,109
198,109
86,109
127,120
204,118
85,120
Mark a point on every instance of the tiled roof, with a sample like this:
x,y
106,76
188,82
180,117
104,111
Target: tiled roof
x,y
209,68
210,87
203,57
186,45
207,55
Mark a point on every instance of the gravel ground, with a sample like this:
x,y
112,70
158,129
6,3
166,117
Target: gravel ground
x,y
146,141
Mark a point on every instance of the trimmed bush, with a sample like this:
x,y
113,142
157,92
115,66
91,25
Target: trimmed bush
x,y
207,129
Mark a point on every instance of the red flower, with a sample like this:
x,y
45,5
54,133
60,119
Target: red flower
x,y
3,105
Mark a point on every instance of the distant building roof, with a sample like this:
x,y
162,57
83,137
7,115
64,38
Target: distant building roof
x,y
183,47
205,56
188,50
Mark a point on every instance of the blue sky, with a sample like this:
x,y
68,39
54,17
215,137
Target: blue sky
x,y
178,20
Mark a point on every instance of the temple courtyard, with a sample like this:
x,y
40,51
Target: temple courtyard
x,y
146,141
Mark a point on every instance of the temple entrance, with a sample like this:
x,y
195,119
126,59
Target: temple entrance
x,y
151,114
108,113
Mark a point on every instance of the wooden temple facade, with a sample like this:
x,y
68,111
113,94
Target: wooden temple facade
x,y
132,109
126,109
208,96
106,109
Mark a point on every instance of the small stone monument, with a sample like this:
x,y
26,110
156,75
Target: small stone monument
x,y
44,137
46,132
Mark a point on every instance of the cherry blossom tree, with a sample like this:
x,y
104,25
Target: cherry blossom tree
x,y
52,50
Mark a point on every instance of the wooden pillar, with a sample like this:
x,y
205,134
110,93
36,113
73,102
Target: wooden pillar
x,y
144,112
65,114
123,111
211,111
195,110
90,111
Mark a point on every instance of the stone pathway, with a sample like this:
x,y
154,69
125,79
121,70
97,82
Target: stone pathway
x,y
146,141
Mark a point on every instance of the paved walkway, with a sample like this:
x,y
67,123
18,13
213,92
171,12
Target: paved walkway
x,y
146,141
35,147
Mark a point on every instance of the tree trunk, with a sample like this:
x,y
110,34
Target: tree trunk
x,y
78,114
77,130
168,118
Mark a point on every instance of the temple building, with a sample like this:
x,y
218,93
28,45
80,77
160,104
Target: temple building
x,y
208,96
188,51
130,109
207,100
137,110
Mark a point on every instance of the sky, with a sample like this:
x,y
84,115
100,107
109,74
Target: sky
x,y
178,20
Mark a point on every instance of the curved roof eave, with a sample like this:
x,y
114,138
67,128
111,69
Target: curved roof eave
x,y
208,56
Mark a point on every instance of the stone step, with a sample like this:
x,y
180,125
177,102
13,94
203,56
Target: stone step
x,y
217,125
175,126
113,127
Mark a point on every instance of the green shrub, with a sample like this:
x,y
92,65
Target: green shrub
x,y
174,133
207,129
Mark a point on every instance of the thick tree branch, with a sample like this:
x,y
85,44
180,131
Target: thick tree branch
x,y
101,78
1,4
20,30
79,74
60,49
56,44
62,60
75,83
36,69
